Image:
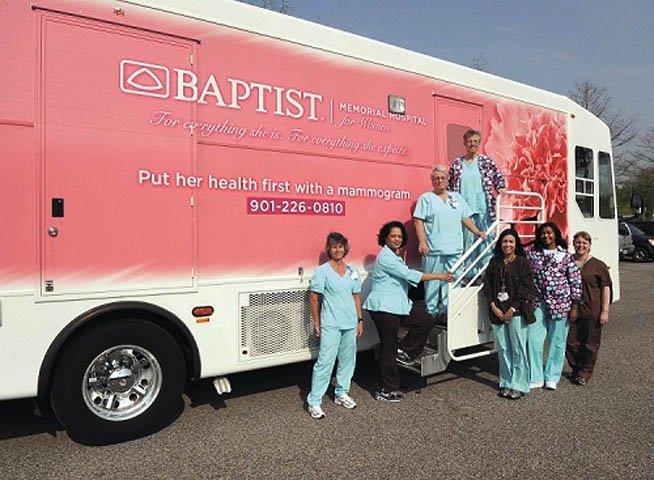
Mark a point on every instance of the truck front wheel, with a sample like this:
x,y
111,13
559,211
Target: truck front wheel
x,y
120,380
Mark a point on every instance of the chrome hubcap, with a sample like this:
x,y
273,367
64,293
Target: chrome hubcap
x,y
121,382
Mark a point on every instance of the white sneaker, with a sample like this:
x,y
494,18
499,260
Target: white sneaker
x,y
316,412
533,386
550,385
346,401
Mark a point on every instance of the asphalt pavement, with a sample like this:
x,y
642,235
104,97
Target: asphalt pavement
x,y
453,425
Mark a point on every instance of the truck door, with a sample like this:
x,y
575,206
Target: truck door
x,y
116,205
453,118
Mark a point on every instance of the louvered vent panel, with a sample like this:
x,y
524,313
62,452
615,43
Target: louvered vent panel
x,y
276,322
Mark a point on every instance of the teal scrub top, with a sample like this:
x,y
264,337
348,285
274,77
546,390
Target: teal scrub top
x,y
471,188
338,308
390,284
443,227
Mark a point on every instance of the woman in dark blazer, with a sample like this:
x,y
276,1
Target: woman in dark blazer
x,y
509,288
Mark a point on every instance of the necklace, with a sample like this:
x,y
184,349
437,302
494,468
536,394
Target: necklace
x,y
510,259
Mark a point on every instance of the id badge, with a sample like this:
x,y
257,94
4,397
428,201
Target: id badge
x,y
502,296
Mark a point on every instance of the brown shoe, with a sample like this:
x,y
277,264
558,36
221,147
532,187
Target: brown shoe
x,y
581,381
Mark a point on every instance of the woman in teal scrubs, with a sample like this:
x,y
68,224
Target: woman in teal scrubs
x,y
338,324
438,218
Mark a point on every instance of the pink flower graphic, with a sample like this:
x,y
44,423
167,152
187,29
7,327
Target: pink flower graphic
x,y
530,148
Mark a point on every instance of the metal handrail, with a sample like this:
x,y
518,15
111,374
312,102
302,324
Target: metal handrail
x,y
472,290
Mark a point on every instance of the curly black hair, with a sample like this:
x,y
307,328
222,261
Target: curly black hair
x,y
385,230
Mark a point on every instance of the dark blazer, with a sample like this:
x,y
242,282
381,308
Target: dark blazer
x,y
519,284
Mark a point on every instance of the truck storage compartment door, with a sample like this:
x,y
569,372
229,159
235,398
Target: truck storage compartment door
x,y
116,161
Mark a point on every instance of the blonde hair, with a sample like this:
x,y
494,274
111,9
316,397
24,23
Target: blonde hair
x,y
440,168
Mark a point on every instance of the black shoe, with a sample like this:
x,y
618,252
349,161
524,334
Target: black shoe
x,y
504,392
403,358
514,395
393,397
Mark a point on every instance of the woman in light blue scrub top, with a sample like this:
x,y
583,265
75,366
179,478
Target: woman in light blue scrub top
x,y
338,323
389,306
438,218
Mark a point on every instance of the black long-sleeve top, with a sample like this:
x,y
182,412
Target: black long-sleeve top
x,y
518,283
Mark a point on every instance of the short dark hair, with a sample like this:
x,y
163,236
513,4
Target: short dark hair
x,y
559,240
335,238
519,250
385,230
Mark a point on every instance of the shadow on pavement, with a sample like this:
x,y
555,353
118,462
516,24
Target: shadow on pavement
x,y
20,418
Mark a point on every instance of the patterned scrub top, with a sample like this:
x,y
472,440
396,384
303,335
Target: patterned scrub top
x,y
557,279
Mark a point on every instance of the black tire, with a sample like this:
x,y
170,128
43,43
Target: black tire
x,y
640,255
92,368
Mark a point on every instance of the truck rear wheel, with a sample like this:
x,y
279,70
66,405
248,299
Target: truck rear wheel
x,y
119,381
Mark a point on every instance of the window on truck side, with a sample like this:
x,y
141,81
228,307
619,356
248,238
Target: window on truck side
x,y
585,181
606,195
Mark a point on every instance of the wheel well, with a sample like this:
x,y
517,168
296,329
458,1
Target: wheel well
x,y
107,313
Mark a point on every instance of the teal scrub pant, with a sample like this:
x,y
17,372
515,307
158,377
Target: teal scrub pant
x,y
334,343
436,290
511,346
482,221
556,331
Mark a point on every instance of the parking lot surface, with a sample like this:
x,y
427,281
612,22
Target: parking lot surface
x,y
453,426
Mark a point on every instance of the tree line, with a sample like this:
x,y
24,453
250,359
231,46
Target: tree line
x,y
633,150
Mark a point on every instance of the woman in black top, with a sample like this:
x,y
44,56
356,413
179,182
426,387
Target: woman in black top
x,y
509,288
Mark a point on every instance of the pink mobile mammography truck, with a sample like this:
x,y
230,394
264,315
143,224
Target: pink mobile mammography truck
x,y
170,170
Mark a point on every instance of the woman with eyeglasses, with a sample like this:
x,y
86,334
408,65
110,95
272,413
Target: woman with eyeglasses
x,y
439,218
476,177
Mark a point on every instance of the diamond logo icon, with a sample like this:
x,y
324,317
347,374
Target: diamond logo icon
x,y
147,79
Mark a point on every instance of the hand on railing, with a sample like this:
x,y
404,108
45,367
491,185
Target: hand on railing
x,y
446,277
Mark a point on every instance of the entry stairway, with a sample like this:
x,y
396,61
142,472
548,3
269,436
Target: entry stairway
x,y
466,331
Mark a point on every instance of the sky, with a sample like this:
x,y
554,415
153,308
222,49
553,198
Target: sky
x,y
546,44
